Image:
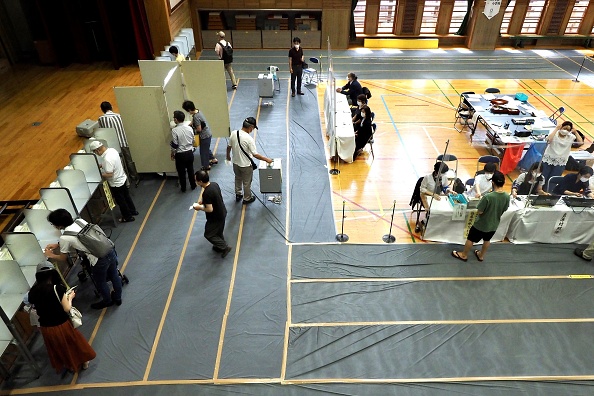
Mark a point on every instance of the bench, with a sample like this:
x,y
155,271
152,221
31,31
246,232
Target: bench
x,y
519,40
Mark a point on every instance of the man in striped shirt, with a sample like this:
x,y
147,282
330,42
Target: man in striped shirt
x,y
109,119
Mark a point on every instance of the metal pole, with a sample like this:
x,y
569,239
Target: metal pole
x,y
342,237
389,238
579,71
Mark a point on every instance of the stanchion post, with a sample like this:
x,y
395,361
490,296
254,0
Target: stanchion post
x,y
579,71
389,238
335,170
342,237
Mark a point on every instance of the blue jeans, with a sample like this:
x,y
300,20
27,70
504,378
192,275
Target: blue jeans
x,y
205,153
107,269
549,171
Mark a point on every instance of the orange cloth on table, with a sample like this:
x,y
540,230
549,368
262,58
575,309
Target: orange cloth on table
x,y
513,154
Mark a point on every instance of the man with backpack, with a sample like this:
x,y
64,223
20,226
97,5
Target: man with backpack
x,y
225,52
86,239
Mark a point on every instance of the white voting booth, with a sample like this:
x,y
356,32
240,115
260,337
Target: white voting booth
x,y
147,111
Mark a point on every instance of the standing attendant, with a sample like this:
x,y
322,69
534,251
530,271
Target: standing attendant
x,y
558,149
66,347
213,206
182,150
227,60
243,147
112,170
198,121
490,209
296,66
109,119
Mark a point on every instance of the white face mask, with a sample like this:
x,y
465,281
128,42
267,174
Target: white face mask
x,y
536,174
363,115
584,179
359,103
296,46
563,132
488,176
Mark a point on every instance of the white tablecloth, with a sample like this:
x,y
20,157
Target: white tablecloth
x,y
441,227
558,224
343,140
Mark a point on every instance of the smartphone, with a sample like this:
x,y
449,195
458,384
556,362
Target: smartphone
x,y
71,289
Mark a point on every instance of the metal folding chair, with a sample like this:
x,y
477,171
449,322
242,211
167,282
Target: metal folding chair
x,y
486,159
553,117
492,90
464,113
371,141
553,182
449,158
310,75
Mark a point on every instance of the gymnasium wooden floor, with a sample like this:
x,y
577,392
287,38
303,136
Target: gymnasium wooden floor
x,y
415,122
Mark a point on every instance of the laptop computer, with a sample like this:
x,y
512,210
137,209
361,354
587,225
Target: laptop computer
x,y
578,202
543,200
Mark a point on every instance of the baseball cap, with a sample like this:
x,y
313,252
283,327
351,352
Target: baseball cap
x,y
95,144
45,266
251,121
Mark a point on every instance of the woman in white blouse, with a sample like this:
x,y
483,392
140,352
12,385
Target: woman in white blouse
x,y
558,149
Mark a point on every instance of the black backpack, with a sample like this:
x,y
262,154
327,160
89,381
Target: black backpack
x,y
227,53
366,92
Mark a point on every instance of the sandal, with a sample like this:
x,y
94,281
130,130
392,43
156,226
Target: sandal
x,y
128,220
476,253
457,255
214,161
85,365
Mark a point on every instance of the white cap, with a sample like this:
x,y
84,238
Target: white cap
x,y
95,144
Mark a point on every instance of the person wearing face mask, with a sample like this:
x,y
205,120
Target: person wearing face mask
x,y
296,66
364,132
576,184
523,184
356,111
352,88
482,181
558,149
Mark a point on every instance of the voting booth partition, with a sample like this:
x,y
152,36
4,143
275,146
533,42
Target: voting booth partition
x,y
147,111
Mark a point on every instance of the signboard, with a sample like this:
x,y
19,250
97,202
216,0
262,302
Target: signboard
x,y
491,8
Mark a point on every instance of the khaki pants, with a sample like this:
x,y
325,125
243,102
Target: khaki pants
x,y
243,178
229,69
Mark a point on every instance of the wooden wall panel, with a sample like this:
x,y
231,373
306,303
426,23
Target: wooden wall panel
x,y
518,16
444,17
371,18
588,21
180,18
483,33
336,25
157,12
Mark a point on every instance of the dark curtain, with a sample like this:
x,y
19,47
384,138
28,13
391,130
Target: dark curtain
x,y
141,28
464,25
352,33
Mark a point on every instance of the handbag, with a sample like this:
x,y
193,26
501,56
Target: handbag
x,y
74,314
196,142
254,166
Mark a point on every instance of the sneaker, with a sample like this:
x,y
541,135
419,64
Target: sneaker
x,y
226,252
117,302
238,197
135,213
101,304
580,254
233,86
249,201
216,249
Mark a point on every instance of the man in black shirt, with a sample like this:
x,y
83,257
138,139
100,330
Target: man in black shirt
x,y
213,206
296,65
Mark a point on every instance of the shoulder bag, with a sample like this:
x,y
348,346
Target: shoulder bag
x,y
254,166
74,314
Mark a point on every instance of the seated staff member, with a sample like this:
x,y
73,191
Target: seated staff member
x,y
523,184
364,132
576,184
431,186
352,88
482,182
356,110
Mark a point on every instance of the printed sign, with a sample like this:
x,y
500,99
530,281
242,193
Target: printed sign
x,y
472,214
491,8
108,196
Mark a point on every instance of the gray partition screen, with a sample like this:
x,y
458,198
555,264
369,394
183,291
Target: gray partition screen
x,y
146,121
206,87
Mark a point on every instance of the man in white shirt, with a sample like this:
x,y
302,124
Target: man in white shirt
x,y
113,171
182,150
109,119
219,49
242,159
